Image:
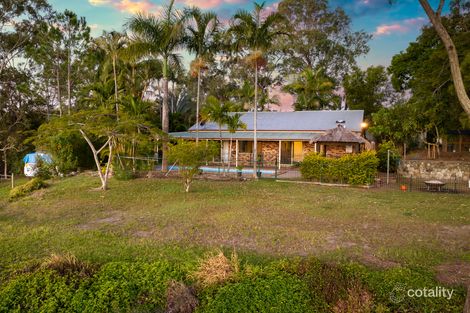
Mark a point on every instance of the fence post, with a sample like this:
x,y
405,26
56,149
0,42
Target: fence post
x,y
411,182
275,169
12,180
388,166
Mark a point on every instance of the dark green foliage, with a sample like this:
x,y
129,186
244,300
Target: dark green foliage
x,y
123,173
116,287
382,155
277,292
27,188
394,283
355,169
43,291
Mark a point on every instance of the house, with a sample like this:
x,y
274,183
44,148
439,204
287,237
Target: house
x,y
284,138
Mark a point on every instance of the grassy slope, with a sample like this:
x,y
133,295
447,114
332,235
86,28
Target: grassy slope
x,y
148,219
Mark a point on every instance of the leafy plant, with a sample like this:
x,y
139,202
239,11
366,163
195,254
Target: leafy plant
x,y
27,188
355,169
382,154
190,156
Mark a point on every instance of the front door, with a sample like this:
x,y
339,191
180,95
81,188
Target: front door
x,y
286,152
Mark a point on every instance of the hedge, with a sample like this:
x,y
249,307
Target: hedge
x,y
27,188
354,169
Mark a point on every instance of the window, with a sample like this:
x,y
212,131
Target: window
x,y
245,147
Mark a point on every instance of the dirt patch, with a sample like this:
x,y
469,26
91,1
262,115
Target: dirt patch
x,y
115,218
454,273
143,234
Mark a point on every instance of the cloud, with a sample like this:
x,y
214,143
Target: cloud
x,y
404,26
269,9
209,4
128,6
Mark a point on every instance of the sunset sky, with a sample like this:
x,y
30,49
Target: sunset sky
x,y
393,26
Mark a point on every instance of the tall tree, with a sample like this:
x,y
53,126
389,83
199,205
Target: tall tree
x,y
76,38
201,40
435,16
161,37
369,90
234,123
321,37
255,33
113,44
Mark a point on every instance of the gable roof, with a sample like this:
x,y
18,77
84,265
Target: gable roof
x,y
339,134
295,121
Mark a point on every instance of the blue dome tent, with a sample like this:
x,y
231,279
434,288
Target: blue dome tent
x,y
30,162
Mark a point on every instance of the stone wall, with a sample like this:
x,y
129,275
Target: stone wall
x,y
270,152
308,147
335,151
434,169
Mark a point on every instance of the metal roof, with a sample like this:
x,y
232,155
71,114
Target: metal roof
x,y
296,121
248,135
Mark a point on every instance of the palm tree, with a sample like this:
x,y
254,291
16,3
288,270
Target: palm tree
x,y
200,40
234,123
217,112
314,91
160,37
113,43
256,34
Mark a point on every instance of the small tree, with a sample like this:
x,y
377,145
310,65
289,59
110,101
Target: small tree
x,y
190,156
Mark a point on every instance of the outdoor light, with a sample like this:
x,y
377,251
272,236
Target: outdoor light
x,y
364,125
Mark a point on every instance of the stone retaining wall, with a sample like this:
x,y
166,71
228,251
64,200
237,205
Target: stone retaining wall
x,y
434,169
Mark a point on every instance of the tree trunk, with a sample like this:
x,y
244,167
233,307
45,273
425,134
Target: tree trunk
x,y
198,103
229,154
436,21
115,88
165,117
69,82
104,184
59,96
255,138
5,169
95,157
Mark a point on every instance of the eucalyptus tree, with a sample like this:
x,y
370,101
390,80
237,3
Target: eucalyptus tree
x,y
437,21
254,34
201,40
159,36
76,36
113,44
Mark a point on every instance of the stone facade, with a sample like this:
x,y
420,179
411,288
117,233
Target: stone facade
x,y
308,147
335,150
434,169
270,152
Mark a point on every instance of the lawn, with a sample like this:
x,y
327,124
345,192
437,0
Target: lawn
x,y
151,219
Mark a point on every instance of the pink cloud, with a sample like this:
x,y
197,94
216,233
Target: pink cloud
x,y
400,27
269,9
128,6
209,4
203,4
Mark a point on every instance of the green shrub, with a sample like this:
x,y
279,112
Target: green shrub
x,y
25,189
259,290
125,287
382,155
354,169
390,287
123,173
43,291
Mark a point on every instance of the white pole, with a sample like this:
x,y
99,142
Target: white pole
x,y
388,166
12,180
236,153
279,163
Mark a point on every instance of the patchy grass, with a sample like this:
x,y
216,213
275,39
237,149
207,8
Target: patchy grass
x,y
151,219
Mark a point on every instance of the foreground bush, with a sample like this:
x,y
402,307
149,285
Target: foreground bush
x,y
276,293
65,284
27,188
354,169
